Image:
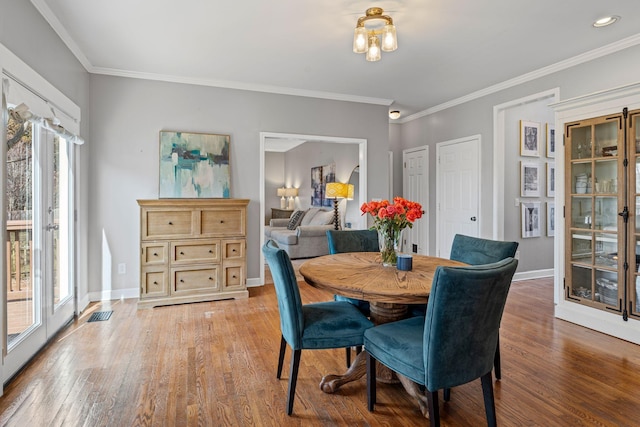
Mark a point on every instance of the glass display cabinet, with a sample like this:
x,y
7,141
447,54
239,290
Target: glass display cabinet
x,y
602,160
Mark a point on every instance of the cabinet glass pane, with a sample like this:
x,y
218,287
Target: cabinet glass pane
x,y
581,213
581,278
605,215
580,142
606,177
581,247
606,287
606,251
606,141
581,177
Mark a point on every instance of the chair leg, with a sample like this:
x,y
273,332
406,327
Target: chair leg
x,y
348,351
358,349
496,360
371,382
447,394
489,403
283,347
293,378
434,409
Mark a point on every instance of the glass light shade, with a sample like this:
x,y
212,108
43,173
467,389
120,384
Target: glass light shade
x,y
389,39
360,40
373,54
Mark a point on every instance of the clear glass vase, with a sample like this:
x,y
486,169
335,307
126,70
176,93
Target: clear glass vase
x,y
389,243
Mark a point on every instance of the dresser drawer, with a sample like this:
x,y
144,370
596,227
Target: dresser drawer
x,y
154,254
219,222
187,280
154,282
167,224
233,275
198,251
233,249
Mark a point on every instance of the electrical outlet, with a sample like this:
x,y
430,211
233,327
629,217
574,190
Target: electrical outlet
x,y
517,254
517,203
122,268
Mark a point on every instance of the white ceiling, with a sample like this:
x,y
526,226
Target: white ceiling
x,y
447,49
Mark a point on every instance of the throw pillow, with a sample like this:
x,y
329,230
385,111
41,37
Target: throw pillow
x,y
306,220
295,219
322,218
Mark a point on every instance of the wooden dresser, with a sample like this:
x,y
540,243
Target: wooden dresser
x,y
192,250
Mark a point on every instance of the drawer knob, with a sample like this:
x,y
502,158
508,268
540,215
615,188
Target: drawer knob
x,y
155,254
210,251
210,278
181,281
221,222
155,283
233,250
170,223
234,276
181,253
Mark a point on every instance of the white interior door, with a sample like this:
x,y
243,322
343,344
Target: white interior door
x,y
458,191
415,183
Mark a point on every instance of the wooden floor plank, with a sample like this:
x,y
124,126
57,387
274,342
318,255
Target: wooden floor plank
x,y
214,363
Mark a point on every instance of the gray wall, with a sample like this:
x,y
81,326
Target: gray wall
x,y
476,117
129,113
25,32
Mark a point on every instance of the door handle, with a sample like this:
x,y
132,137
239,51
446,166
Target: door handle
x,y
50,227
473,218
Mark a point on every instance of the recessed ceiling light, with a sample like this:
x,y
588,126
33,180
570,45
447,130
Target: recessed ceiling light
x,y
606,20
394,115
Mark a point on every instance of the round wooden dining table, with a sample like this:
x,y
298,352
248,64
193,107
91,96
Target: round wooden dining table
x,y
389,291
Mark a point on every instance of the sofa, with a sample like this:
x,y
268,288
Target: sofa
x,y
304,235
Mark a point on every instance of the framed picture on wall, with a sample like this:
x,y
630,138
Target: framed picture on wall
x,y
194,165
551,222
551,141
551,179
530,219
529,139
529,179
328,175
316,186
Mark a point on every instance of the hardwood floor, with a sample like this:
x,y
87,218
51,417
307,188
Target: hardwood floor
x,y
214,364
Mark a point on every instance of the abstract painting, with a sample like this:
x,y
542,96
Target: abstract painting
x,y
194,165
320,175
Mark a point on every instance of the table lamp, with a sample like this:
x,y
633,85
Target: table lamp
x,y
337,191
291,193
283,202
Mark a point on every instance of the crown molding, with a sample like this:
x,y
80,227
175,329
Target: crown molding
x,y
542,72
227,84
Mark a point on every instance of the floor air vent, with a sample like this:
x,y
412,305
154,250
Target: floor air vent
x,y
99,316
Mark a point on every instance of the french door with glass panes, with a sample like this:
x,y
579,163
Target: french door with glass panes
x,y
39,266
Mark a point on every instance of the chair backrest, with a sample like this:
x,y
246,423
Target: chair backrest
x,y
462,321
477,251
287,292
341,241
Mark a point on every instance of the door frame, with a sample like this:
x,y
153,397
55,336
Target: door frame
x,y
405,191
362,162
477,138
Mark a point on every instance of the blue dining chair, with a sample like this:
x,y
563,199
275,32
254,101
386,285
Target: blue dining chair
x,y
341,241
476,251
323,325
454,343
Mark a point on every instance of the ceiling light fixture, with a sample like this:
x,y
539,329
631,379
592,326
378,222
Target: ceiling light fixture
x,y
605,21
394,115
374,32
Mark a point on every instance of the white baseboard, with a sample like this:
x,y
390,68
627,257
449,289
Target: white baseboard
x,y
252,283
533,274
114,294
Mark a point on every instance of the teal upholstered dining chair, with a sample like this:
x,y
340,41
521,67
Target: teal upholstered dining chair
x,y
341,241
323,325
476,251
454,343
